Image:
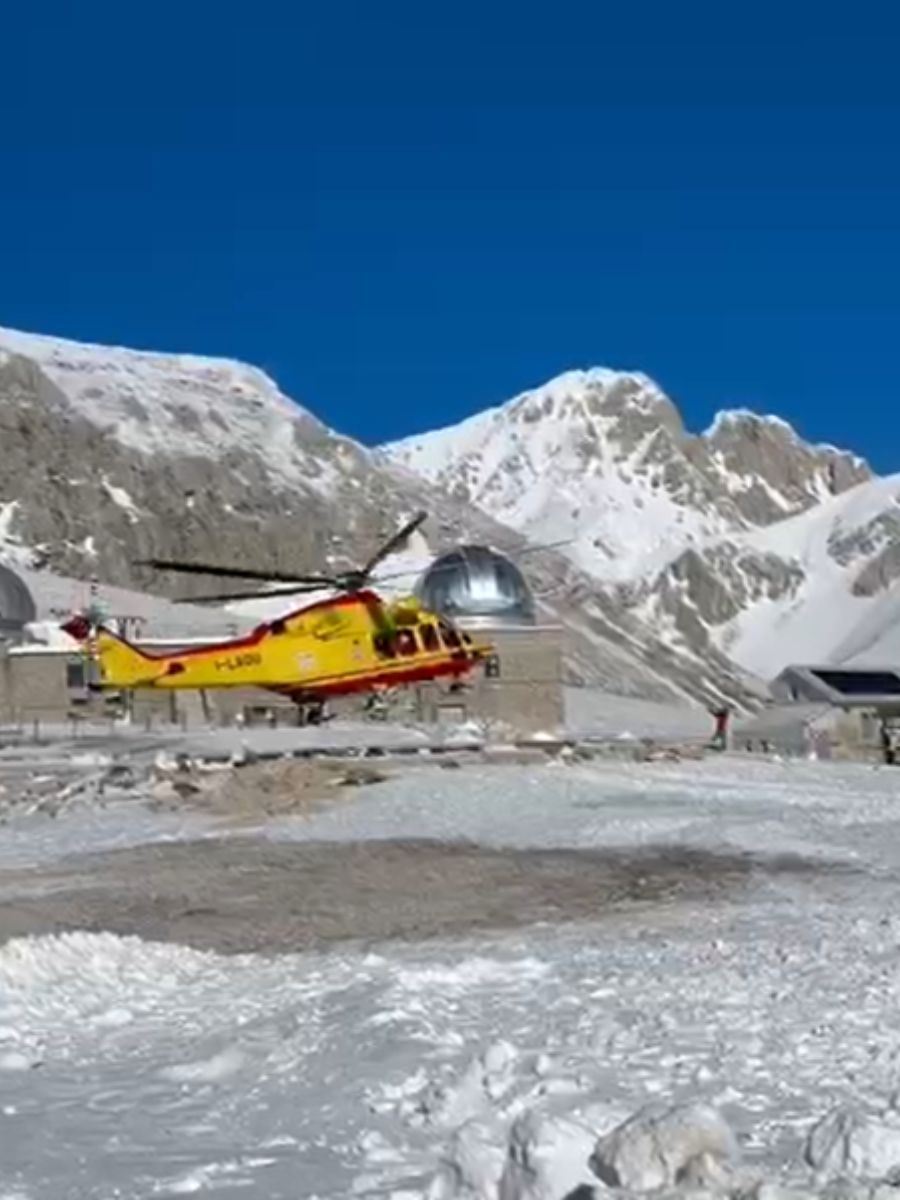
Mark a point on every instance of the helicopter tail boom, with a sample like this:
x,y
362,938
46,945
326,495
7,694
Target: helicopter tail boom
x,y
121,664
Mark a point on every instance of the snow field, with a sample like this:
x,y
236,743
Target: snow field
x,y
490,1068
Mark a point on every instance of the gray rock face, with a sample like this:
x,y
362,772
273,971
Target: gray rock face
x,y
108,456
703,590
785,475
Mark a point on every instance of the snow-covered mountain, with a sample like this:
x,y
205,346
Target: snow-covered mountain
x,y
744,538
108,455
603,458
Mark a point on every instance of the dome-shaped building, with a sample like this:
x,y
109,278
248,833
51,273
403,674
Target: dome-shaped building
x,y
520,687
477,586
17,607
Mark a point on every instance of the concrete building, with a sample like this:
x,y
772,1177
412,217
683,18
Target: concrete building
x,y
521,686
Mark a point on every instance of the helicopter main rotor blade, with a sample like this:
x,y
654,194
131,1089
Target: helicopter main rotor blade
x,y
454,566
218,571
398,540
268,594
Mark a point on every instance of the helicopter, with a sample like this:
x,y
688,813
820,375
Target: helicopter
x,y
353,641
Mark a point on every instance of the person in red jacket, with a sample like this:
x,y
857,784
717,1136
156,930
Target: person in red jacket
x,y
720,736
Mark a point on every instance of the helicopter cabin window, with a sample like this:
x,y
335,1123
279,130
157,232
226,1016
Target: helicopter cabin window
x,y
406,642
430,639
384,645
449,637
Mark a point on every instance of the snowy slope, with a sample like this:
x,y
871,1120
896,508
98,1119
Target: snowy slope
x,y
178,403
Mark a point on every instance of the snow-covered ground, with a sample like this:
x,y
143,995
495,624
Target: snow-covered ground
x,y
485,1069
594,713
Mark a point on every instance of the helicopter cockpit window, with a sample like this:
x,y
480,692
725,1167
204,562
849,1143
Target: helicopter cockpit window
x,y
406,642
430,638
384,645
449,637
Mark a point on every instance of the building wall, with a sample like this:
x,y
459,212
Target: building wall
x,y
33,687
526,693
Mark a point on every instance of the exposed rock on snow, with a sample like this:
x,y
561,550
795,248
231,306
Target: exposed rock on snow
x,y
847,1144
660,1146
472,1165
487,1077
547,1158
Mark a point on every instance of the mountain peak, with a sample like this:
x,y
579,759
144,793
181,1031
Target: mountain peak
x,y
601,458
729,419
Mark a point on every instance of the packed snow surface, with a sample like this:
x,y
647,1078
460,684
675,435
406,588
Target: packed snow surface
x,y
497,1068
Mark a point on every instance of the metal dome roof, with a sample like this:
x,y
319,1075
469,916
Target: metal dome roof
x,y
475,585
17,607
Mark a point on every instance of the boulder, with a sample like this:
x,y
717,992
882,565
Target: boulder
x,y
547,1158
848,1144
662,1145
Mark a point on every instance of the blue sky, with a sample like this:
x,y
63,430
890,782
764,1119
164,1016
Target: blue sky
x,y
409,211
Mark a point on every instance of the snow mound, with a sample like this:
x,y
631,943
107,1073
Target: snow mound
x,y
546,1158
660,1146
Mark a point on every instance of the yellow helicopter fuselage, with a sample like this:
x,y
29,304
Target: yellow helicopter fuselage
x,y
352,643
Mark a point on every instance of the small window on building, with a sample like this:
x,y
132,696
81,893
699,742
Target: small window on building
x,y
76,676
406,642
430,638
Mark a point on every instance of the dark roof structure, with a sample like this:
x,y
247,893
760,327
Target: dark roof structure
x,y
839,686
